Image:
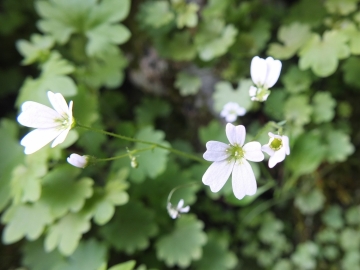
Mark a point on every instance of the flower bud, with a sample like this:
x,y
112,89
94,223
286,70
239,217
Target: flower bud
x,y
78,161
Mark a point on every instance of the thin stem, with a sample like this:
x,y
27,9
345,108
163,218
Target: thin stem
x,y
178,187
122,137
125,155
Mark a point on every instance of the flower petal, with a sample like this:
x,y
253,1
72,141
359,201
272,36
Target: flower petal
x,y
36,115
253,151
277,157
252,91
266,148
180,204
61,138
59,103
235,134
77,160
217,174
38,138
216,151
243,180
258,70
273,72
286,146
184,209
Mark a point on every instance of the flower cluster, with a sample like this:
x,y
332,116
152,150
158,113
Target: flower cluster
x,y
231,111
175,212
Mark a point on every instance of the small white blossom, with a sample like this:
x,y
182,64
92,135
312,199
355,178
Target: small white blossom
x,y
264,73
50,124
78,161
175,212
232,158
277,148
231,111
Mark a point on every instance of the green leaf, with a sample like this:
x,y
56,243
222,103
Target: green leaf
x,y
88,255
311,202
224,93
184,244
352,215
305,255
131,228
26,179
36,216
296,80
187,84
351,260
152,162
11,156
102,203
104,37
216,255
322,55
342,7
351,69
306,154
124,266
323,107
270,230
333,217
111,11
293,37
212,132
339,146
105,70
65,234
330,252
155,14
36,50
274,105
297,110
327,235
35,257
353,34
214,39
350,239
178,47
52,78
150,109
283,264
55,190
186,14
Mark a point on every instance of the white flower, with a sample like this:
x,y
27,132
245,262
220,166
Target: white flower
x,y
78,161
277,148
264,73
231,111
174,212
232,158
51,124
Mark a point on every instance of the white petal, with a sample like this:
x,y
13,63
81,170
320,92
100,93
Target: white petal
x,y
70,114
59,103
273,72
286,146
36,115
252,91
231,118
243,180
217,174
258,70
216,151
77,160
277,157
241,111
185,209
38,138
272,135
235,134
253,151
180,204
266,148
61,138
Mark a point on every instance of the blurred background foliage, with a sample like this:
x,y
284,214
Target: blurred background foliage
x,y
162,71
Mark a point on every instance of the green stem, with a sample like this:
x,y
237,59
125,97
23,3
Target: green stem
x,y
122,137
125,155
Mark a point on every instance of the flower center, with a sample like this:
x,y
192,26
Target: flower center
x,y
276,144
235,152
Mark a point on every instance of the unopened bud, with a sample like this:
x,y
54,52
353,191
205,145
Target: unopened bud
x,y
134,163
